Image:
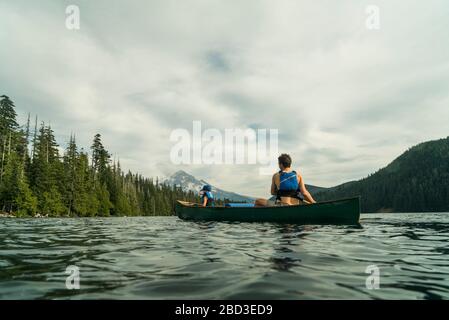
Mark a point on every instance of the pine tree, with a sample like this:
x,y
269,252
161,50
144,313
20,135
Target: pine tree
x,y
47,172
8,117
8,129
100,159
70,159
83,202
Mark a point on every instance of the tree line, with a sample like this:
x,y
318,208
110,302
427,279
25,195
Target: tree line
x,y
36,178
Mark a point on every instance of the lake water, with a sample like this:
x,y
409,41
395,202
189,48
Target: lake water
x,y
167,258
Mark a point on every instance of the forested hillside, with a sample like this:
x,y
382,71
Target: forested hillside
x,y
417,181
35,178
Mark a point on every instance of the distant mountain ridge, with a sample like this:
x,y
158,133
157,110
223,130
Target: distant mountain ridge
x,y
314,189
189,183
416,181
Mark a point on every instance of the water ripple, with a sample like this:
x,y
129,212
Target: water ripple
x,y
166,258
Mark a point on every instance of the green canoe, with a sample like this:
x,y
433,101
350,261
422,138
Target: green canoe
x,y
345,211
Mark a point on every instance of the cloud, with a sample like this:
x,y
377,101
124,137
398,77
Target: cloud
x,y
346,100
217,61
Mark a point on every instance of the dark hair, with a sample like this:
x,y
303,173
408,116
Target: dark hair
x,y
206,188
285,160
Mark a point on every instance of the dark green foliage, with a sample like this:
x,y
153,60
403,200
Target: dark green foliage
x,y
8,116
51,203
15,194
100,159
417,181
55,185
26,202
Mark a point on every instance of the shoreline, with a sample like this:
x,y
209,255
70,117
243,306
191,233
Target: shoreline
x,y
39,216
7,215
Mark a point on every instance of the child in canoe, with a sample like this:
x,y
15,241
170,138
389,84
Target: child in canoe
x,y
207,198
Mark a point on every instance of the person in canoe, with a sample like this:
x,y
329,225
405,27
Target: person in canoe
x,y
207,197
287,185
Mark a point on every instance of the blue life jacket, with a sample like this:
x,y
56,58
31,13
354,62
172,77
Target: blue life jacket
x,y
289,181
210,198
289,185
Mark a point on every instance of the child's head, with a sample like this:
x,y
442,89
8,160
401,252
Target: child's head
x,y
206,188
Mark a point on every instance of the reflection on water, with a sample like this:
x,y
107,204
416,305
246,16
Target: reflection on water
x,y
167,258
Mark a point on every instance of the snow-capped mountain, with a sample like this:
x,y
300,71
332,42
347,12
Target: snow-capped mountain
x,y
189,183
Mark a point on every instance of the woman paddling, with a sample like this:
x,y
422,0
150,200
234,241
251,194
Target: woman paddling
x,y
287,185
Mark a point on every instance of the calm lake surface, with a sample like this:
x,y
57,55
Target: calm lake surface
x,y
167,258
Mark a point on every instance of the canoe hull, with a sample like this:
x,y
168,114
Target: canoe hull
x,y
345,211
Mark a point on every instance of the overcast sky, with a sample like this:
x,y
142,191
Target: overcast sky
x,y
346,100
